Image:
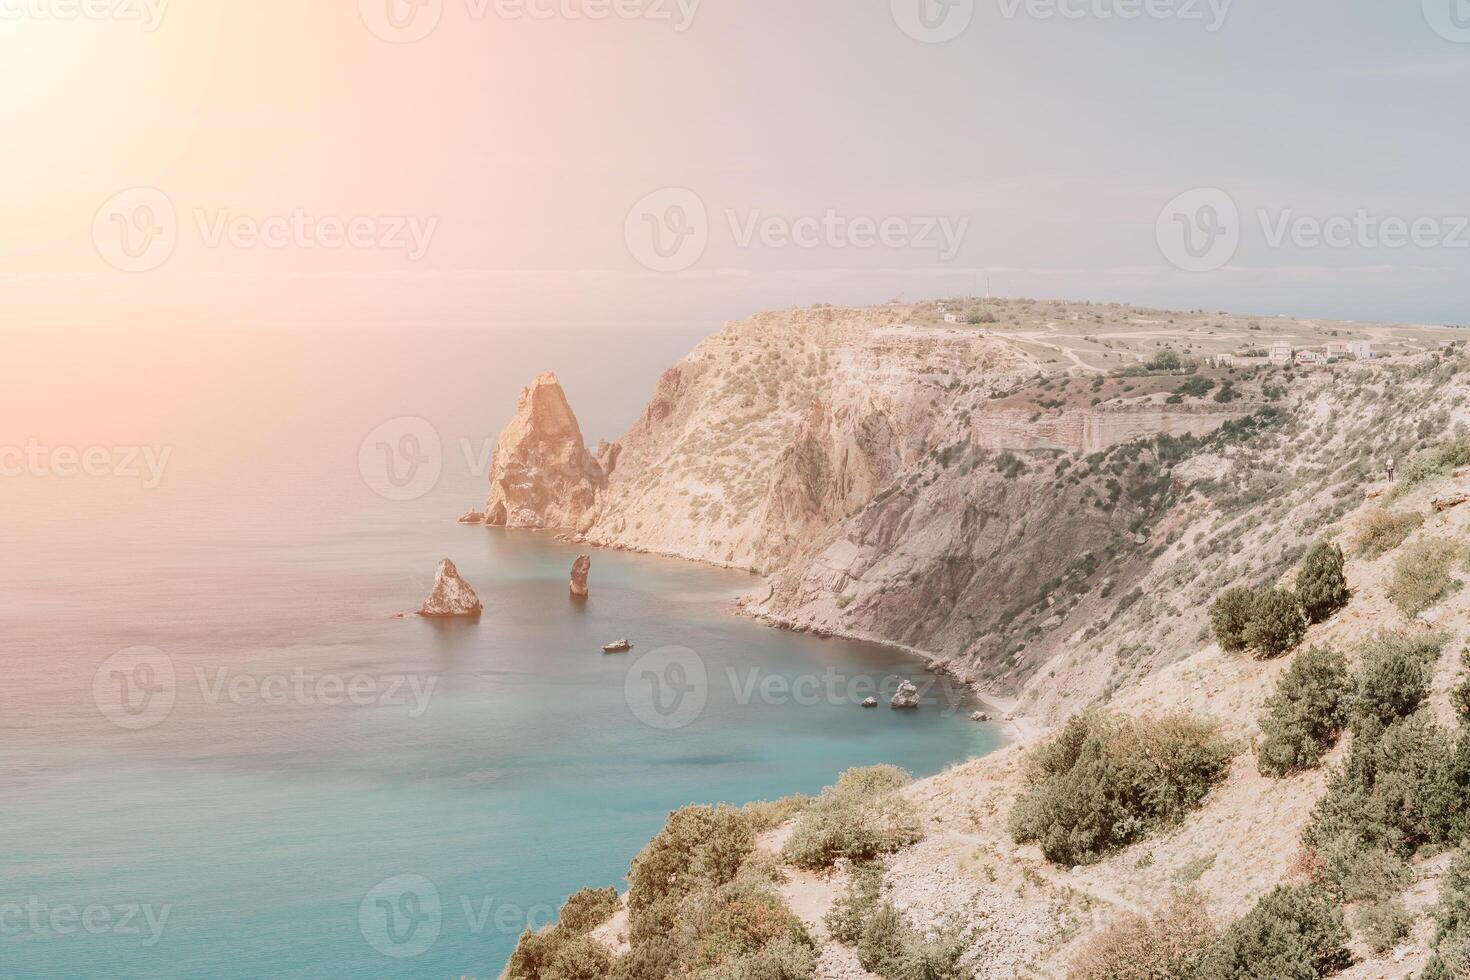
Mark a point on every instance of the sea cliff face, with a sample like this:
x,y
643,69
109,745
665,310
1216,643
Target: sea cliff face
x,y
781,425
966,492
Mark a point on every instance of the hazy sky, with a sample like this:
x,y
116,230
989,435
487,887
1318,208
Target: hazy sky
x,y
483,161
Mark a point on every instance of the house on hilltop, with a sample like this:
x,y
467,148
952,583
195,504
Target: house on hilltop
x,y
1281,353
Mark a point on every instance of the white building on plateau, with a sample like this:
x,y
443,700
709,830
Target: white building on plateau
x,y
1361,349
1281,353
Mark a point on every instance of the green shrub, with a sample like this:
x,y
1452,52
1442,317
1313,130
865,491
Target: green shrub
x,y
1294,933
1276,625
1435,461
859,818
1106,781
1452,912
558,954
1321,586
1402,788
1383,924
1171,945
1460,694
1421,576
894,950
766,816
849,915
1303,719
738,922
1382,531
588,909
1230,616
784,959
1394,677
700,847
1165,360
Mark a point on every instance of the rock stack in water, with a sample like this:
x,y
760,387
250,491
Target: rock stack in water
x,y
580,568
452,595
907,696
542,475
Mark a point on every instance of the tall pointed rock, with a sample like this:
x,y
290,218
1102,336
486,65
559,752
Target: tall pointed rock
x,y
543,476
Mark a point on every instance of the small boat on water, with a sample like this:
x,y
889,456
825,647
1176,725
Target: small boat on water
x,y
620,646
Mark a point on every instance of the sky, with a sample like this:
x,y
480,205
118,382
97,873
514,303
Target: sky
x,y
599,163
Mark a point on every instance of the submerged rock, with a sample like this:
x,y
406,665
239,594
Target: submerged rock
x,y
452,595
543,476
580,568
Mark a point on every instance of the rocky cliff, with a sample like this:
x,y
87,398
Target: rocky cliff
x,y
542,476
780,425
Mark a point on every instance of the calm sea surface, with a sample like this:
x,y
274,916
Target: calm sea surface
x,y
222,754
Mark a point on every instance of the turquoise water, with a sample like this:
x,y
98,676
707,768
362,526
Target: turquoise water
x,y
491,767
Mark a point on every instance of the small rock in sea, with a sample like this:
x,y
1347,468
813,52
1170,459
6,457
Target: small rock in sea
x,y
870,703
907,696
452,595
472,516
617,646
580,568
979,716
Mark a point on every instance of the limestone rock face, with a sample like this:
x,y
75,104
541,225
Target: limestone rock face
x,y
580,568
543,476
452,595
